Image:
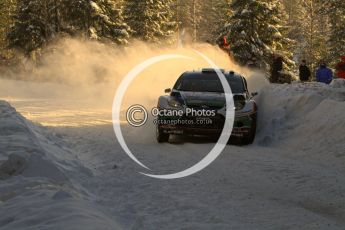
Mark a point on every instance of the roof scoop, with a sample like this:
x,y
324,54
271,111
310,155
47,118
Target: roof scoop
x,y
210,70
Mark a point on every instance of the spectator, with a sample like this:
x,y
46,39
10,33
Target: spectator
x,y
304,72
341,68
277,67
224,44
324,74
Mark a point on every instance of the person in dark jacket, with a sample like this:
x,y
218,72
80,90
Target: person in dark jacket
x,y
277,66
304,72
324,74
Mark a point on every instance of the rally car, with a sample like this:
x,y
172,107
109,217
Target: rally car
x,y
202,91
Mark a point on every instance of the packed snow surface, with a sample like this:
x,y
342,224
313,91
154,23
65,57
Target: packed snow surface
x,y
76,176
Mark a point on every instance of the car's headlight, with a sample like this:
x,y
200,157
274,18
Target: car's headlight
x,y
239,105
174,103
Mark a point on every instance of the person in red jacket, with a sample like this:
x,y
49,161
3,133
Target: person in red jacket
x,y
341,68
224,44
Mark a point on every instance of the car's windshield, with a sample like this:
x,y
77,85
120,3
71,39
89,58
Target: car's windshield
x,y
208,84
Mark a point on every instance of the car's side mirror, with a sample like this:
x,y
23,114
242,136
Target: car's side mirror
x,y
255,94
167,90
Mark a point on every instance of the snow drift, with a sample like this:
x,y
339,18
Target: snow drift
x,y
39,180
308,117
30,152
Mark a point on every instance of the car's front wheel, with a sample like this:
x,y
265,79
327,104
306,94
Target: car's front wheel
x,y
161,136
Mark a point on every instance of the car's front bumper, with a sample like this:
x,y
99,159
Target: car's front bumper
x,y
242,126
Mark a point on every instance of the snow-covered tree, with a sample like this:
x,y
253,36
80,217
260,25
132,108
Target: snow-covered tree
x,y
37,22
151,20
202,20
7,9
315,32
188,16
309,25
256,29
259,27
97,19
32,27
215,14
296,11
336,10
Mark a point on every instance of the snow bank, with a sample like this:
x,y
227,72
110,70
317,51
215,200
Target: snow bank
x,y
39,176
24,151
308,117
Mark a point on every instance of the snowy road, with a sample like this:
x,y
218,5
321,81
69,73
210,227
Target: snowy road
x,y
246,188
293,177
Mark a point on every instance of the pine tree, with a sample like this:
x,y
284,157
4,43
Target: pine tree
x,y
151,20
295,22
202,20
37,22
98,19
108,22
256,29
315,32
76,17
188,15
336,11
214,17
7,9
32,27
